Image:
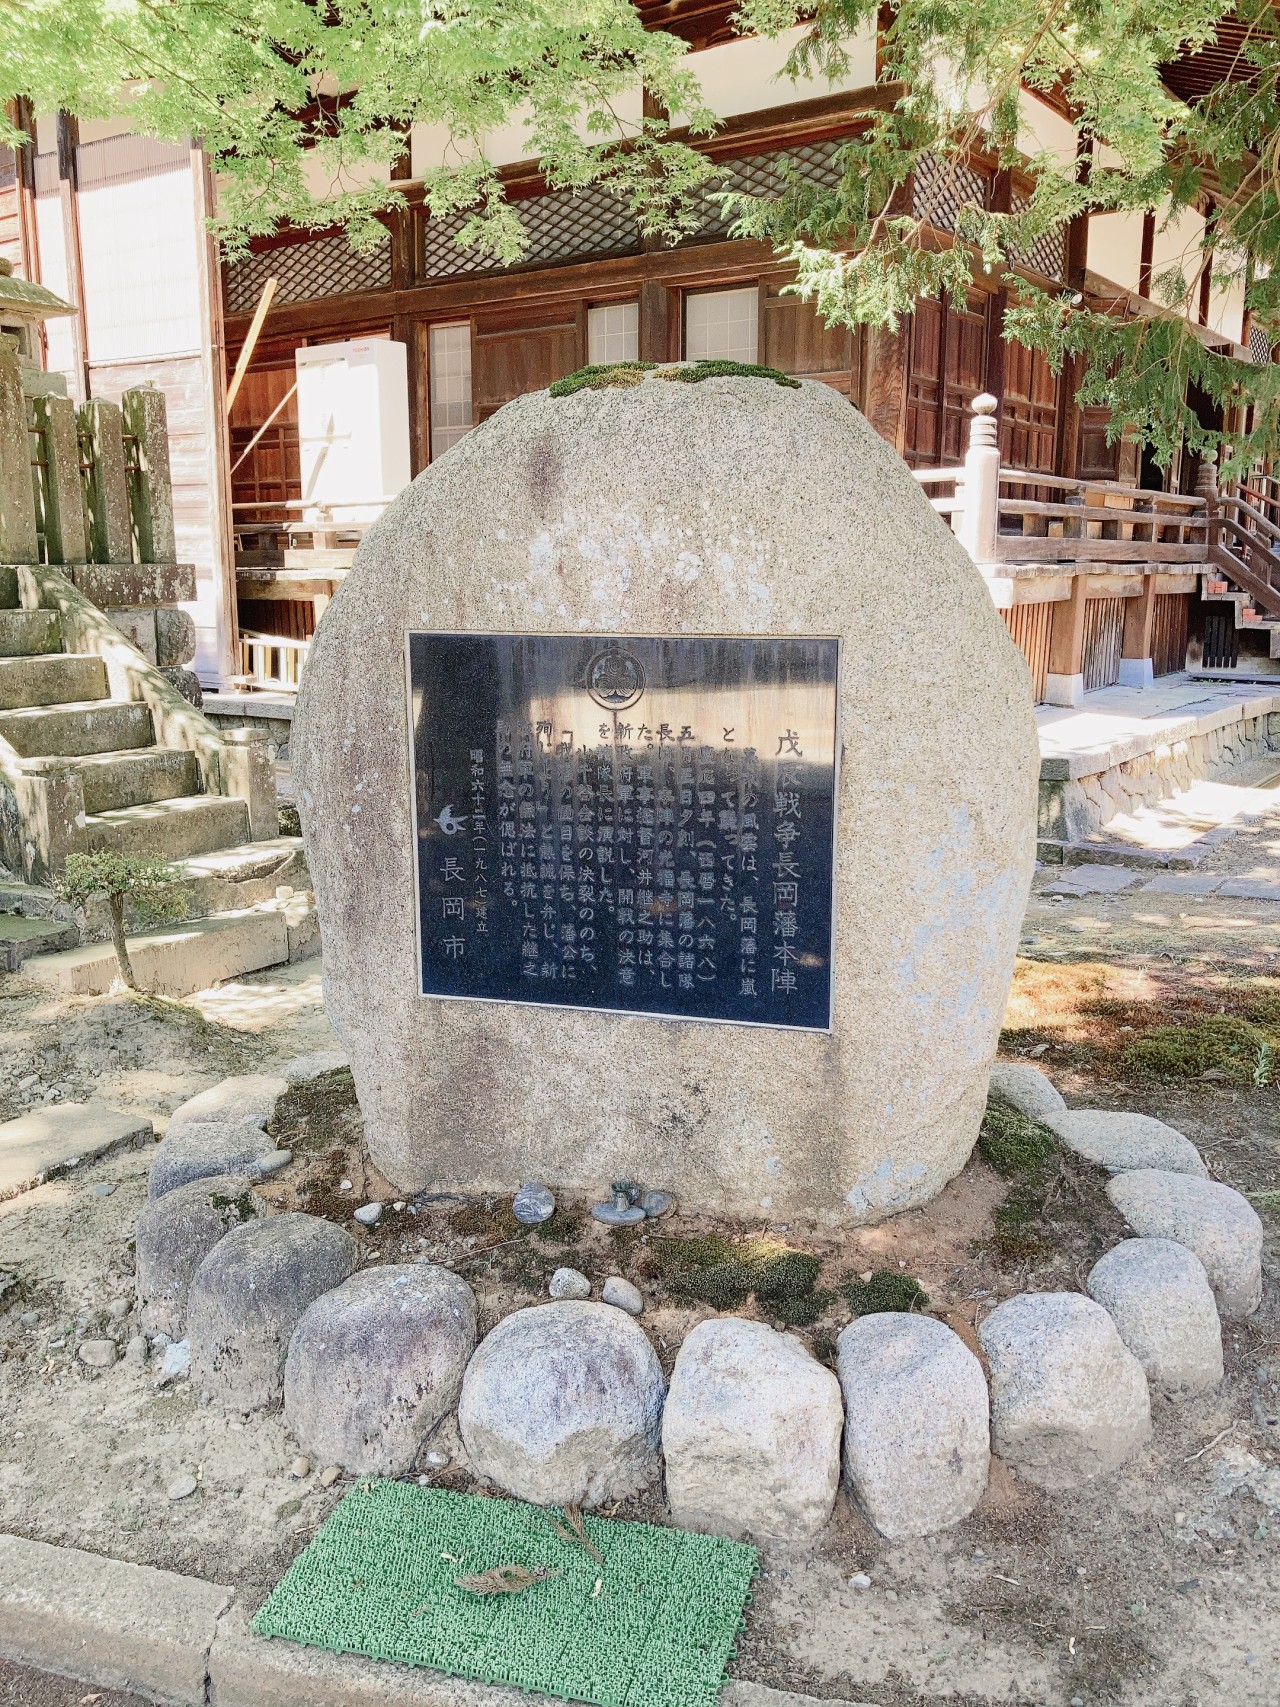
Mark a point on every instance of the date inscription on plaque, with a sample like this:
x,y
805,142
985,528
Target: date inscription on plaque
x,y
627,822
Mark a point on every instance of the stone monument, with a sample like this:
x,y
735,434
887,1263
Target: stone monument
x,y
668,782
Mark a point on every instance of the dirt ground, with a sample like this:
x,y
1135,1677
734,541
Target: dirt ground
x,y
1157,1587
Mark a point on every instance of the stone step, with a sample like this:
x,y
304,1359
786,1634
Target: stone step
x,y
24,633
60,678
173,961
171,829
73,731
20,938
113,781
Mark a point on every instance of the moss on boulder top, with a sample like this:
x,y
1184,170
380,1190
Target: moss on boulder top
x,y
607,375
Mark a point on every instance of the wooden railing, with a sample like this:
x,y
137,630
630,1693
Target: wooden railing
x,y
1023,518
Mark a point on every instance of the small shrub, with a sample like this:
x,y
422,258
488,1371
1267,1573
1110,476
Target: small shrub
x,y
888,1289
1233,1046
1012,1142
145,882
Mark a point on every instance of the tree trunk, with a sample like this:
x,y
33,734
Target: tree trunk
x,y
116,905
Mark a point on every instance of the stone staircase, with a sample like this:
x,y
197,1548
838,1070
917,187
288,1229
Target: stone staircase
x,y
88,770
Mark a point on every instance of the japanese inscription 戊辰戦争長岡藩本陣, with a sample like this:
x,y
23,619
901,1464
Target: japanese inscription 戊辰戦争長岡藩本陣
x,y
628,823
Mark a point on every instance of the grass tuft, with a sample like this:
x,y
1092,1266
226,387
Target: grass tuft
x,y
695,372
710,1269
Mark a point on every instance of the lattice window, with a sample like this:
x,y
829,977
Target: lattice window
x,y
563,225
1259,346
942,187
763,175
1048,254
325,266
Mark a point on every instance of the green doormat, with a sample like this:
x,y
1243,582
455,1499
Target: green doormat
x,y
651,1627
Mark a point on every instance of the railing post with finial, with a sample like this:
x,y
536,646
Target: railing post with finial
x,y
979,521
1207,488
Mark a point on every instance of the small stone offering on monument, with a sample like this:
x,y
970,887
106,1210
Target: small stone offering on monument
x,y
698,772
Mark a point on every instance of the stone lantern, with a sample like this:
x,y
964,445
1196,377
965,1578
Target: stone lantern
x,y
24,306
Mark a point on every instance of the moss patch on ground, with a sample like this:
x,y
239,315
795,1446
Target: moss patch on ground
x,y
319,1114
1221,1043
888,1289
1013,1143
724,1273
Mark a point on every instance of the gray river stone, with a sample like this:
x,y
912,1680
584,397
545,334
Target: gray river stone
x,y
1218,1224
1159,1297
375,1364
246,1299
562,1404
175,1234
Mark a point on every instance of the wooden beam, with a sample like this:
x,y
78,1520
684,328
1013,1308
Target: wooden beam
x,y
250,342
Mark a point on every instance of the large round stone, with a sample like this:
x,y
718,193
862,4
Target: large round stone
x,y
917,1438
201,1149
375,1364
175,1234
562,1404
1218,1224
751,1433
1068,1399
1028,1089
731,507
246,1299
1121,1142
1159,1297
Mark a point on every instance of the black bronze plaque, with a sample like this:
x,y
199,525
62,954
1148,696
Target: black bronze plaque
x,y
627,822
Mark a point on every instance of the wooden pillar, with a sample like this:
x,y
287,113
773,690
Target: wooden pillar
x,y
885,384
1064,684
658,322
68,138
64,534
1136,669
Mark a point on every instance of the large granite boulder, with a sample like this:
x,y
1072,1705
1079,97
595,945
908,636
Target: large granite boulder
x,y
1069,1401
562,1404
751,1433
375,1364
246,1299
1159,1297
735,506
917,1438
1218,1224
175,1234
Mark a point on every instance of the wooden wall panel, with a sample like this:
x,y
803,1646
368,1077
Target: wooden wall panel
x,y
1030,626
1029,410
1097,460
794,338
1170,626
525,350
1103,633
946,369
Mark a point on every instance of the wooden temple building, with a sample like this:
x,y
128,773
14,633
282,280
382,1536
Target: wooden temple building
x,y
1107,568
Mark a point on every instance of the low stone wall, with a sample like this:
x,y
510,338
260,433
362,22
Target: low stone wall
x,y
274,716
1076,803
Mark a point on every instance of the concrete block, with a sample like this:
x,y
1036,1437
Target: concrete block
x,y
26,632
53,679
43,1142
1251,888
130,584
116,780
138,625
171,829
110,526
105,1622
20,938
62,731
1092,880
145,417
172,962
1182,883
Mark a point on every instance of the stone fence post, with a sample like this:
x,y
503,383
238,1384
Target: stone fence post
x,y
18,540
152,489
110,523
64,529
980,517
